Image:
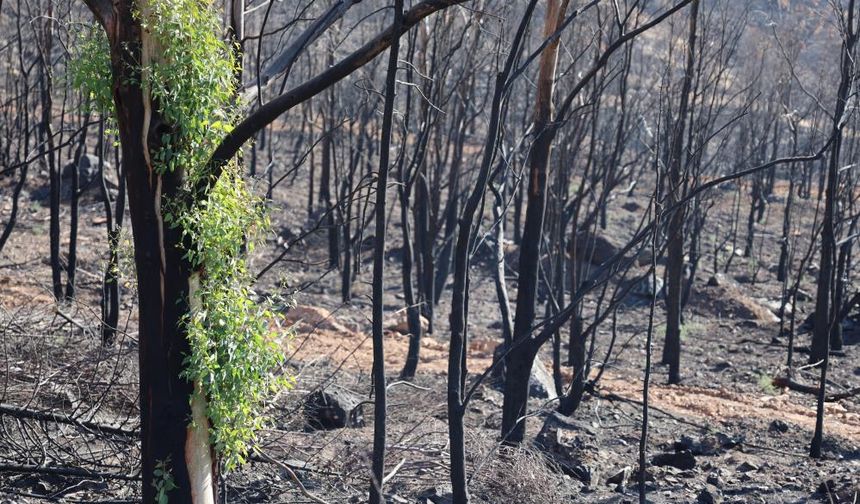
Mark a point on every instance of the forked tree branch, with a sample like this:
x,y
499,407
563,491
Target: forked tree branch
x,y
283,62
103,11
265,115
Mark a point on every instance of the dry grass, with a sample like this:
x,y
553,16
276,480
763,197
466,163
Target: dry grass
x,y
522,475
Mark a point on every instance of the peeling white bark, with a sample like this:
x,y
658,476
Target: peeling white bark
x,y
198,451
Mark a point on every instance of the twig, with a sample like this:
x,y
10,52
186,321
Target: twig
x,y
393,472
788,383
291,474
615,397
46,416
71,320
65,471
775,450
409,384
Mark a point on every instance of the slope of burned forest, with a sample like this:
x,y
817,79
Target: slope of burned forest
x,y
429,251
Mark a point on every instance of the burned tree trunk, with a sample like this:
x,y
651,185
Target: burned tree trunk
x,y
71,266
167,399
378,371
675,258
49,156
113,217
325,193
825,307
518,364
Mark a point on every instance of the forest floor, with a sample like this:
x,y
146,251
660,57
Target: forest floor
x,y
748,439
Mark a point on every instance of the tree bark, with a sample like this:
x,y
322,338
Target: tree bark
x,y
71,266
413,315
110,284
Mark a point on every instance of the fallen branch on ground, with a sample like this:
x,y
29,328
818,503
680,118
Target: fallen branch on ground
x,y
292,475
393,472
65,471
784,382
46,416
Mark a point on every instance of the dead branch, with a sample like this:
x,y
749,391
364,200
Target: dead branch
x,y
45,416
65,471
788,383
393,472
292,475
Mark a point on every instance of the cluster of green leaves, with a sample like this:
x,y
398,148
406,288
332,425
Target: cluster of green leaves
x,y
233,343
233,351
163,481
193,81
89,69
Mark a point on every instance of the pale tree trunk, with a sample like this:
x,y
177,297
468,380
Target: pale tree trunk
x,y
199,456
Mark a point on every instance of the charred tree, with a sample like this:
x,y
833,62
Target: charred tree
x,y
378,372
675,258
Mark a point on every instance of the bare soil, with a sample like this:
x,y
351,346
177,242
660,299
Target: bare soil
x,y
52,361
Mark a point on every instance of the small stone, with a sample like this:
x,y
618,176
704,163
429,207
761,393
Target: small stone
x,y
707,444
594,248
620,478
400,323
631,206
587,475
778,426
436,495
716,280
715,480
89,176
708,496
747,466
648,287
683,460
802,295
